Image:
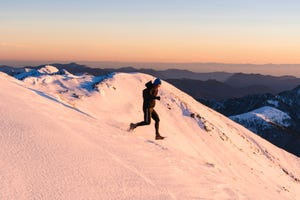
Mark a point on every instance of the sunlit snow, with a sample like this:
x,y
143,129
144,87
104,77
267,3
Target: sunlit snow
x,y
66,137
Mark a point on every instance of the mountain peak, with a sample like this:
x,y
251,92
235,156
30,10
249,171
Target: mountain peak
x,y
48,69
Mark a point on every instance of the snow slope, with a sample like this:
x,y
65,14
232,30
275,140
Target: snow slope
x,y
264,116
65,137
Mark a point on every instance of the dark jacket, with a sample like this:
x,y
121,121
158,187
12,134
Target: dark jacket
x,y
149,95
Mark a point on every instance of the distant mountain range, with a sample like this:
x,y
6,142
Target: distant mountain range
x,y
163,74
212,89
214,85
277,84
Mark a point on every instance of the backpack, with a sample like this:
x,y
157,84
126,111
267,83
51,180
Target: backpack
x,y
149,84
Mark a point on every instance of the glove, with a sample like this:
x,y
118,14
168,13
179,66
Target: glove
x,y
158,97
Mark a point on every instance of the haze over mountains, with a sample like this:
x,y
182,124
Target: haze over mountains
x,y
266,69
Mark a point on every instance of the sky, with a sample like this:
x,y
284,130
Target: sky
x,y
177,31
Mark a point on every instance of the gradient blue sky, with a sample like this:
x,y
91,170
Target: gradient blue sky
x,y
230,31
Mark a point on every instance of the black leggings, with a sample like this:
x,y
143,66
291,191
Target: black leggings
x,y
148,114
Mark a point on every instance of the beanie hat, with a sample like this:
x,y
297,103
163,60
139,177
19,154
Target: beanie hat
x,y
157,81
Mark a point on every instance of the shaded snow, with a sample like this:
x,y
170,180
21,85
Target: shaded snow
x,y
267,114
273,102
60,140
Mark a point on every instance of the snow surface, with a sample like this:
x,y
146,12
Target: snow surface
x,y
267,114
274,103
65,137
48,69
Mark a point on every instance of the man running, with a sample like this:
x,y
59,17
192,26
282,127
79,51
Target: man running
x,y
149,97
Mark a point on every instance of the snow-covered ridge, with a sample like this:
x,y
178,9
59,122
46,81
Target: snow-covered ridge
x,y
60,84
65,137
47,70
267,114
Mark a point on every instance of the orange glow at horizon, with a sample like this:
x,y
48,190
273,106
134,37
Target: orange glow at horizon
x,y
152,52
150,46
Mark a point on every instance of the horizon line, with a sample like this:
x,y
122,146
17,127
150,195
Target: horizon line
x,y
197,67
136,62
